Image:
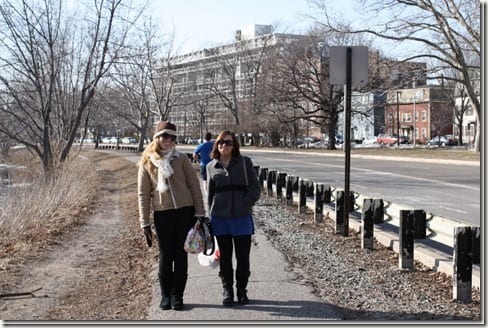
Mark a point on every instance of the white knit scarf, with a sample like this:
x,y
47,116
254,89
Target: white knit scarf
x,y
164,170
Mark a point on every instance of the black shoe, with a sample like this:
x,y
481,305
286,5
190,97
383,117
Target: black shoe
x,y
228,298
165,303
242,297
177,303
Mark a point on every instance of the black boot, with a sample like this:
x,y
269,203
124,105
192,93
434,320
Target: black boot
x,y
177,291
242,279
165,284
227,282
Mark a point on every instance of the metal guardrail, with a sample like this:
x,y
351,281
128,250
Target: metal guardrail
x,y
461,242
124,147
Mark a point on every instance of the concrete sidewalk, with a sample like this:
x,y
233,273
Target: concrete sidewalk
x,y
274,291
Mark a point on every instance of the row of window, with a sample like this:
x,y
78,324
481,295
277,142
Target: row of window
x,y
407,117
423,132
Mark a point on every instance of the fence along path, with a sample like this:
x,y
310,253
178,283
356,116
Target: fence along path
x,y
443,244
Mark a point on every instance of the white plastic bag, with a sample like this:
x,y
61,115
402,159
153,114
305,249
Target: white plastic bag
x,y
212,260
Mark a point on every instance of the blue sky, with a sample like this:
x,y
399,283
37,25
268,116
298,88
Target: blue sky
x,y
198,24
204,23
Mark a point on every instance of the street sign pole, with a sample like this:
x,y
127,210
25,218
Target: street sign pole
x,y
347,140
356,73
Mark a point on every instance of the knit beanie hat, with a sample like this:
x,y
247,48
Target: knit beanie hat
x,y
164,127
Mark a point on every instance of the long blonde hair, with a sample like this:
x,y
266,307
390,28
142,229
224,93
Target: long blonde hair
x,y
153,149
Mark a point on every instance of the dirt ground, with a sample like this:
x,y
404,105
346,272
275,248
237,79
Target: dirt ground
x,y
97,269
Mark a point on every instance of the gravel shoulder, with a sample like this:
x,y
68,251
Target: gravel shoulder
x,y
101,268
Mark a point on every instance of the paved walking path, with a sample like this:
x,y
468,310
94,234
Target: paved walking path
x,y
275,293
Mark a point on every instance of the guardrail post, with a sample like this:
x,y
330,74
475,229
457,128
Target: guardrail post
x,y
462,263
476,233
420,224
367,224
262,176
295,181
378,211
302,196
406,242
280,182
319,202
257,169
327,194
309,187
339,212
289,190
270,181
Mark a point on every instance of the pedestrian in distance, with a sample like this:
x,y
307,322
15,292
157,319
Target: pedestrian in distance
x,y
202,153
168,183
232,190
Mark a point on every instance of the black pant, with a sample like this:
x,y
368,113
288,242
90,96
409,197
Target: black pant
x,y
242,246
172,227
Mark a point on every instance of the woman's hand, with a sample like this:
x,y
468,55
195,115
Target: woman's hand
x,y
148,235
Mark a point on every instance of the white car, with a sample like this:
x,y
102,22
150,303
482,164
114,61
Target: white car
x,y
129,140
370,141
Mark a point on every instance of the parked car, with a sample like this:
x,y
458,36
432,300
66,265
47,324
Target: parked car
x,y
129,140
384,139
442,141
306,142
370,141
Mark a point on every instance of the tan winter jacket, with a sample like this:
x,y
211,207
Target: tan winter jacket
x,y
184,190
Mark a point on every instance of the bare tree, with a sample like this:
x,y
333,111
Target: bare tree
x,y
446,32
301,83
133,93
52,64
236,81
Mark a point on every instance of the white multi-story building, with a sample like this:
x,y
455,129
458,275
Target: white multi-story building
x,y
209,82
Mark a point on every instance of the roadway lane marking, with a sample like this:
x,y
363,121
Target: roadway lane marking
x,y
453,209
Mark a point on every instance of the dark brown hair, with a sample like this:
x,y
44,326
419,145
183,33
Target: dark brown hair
x,y
235,148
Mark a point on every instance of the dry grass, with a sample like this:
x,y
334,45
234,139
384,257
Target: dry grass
x,y
33,209
119,286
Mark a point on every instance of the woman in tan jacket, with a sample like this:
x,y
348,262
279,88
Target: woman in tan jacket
x,y
168,183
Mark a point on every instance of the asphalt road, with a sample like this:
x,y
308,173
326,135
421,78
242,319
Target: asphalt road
x,y
444,189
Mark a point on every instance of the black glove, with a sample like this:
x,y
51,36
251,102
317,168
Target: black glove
x,y
148,235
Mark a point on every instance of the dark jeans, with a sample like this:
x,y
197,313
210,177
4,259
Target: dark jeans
x,y
242,246
172,227
203,172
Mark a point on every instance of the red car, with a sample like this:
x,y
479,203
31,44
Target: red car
x,y
384,139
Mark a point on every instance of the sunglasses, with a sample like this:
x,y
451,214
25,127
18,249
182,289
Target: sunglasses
x,y
170,136
226,142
